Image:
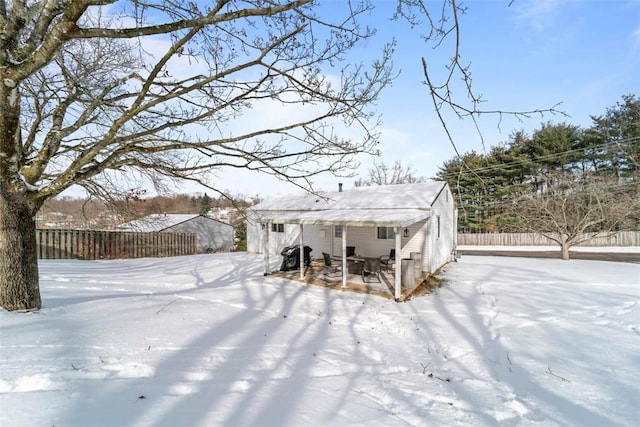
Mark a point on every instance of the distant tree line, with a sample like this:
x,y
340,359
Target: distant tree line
x,y
137,206
97,214
560,179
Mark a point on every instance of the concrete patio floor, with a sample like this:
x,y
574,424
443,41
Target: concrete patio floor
x,y
318,274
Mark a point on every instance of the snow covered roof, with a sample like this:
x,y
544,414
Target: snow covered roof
x,y
384,205
354,217
156,222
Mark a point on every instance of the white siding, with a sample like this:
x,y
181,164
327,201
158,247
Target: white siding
x,y
442,246
254,234
418,242
365,241
313,237
318,238
212,235
277,240
423,236
435,251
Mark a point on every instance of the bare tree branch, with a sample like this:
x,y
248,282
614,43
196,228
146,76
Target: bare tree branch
x,y
445,95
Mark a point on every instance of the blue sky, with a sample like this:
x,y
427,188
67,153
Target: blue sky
x,y
534,54
581,54
530,55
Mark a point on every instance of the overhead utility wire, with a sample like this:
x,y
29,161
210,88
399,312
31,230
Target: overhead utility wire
x,y
546,157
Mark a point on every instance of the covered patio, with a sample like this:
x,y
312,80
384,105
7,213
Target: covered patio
x,y
315,275
390,281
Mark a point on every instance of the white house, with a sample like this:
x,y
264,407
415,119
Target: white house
x,y
212,235
410,218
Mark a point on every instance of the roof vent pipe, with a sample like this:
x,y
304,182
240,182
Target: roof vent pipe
x,y
340,187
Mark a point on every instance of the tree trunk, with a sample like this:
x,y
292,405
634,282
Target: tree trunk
x,y
19,288
564,249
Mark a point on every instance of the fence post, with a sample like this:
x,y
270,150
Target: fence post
x,y
47,247
74,244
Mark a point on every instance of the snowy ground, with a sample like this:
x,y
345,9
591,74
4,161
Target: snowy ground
x,y
207,340
605,249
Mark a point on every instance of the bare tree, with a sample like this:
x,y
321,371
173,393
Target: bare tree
x,y
383,174
571,210
91,92
94,92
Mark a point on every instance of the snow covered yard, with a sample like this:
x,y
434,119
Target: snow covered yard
x,y
207,340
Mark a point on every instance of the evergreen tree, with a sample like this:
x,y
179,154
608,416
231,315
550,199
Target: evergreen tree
x,y
241,236
553,148
205,204
612,143
486,184
468,178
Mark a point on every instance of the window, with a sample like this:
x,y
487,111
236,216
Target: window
x,y
438,222
277,228
337,231
386,233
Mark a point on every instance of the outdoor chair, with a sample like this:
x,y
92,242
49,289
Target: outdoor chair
x,y
388,261
371,268
330,269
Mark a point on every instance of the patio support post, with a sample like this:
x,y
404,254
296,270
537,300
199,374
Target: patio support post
x,y
398,264
265,246
301,252
344,256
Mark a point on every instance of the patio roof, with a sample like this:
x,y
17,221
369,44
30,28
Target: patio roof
x,y
398,205
350,217
398,196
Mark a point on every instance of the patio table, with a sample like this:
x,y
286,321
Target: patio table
x,y
354,264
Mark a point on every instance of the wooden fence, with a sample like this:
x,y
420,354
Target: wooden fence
x,y
621,238
94,244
